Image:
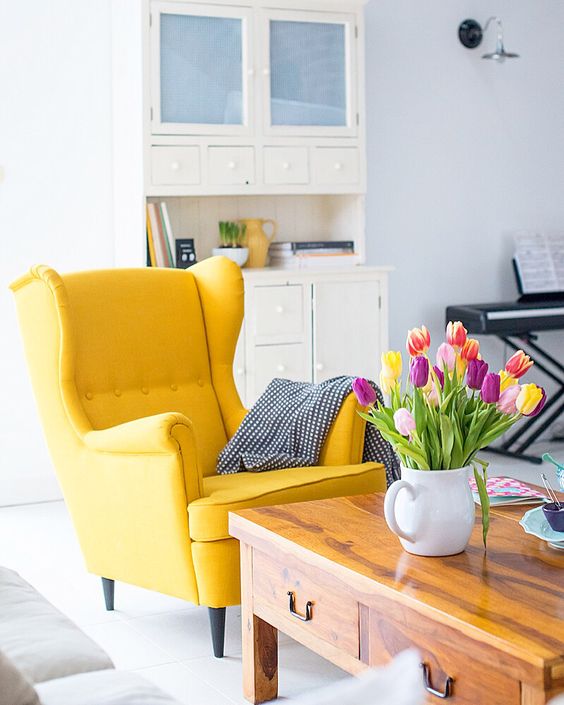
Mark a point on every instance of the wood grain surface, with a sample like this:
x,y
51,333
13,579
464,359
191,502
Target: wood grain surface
x,y
510,599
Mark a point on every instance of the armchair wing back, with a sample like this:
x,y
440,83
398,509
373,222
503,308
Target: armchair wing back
x,y
115,349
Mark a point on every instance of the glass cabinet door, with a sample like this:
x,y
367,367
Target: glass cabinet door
x,y
309,73
200,71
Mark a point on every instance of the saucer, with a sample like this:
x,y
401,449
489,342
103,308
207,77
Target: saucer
x,y
535,523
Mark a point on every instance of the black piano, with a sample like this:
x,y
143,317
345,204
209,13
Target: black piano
x,y
509,318
522,320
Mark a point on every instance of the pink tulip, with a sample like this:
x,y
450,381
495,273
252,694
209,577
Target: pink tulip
x,y
506,402
404,421
446,356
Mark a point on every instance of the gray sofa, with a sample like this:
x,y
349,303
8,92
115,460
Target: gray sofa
x,y
45,658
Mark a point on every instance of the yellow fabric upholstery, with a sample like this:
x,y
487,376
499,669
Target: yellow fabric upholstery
x,y
207,516
132,372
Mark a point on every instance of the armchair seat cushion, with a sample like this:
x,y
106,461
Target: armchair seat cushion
x,y
208,515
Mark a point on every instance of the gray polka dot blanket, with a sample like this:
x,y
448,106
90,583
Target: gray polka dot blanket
x,y
288,425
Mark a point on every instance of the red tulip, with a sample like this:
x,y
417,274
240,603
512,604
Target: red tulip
x,y
418,341
456,334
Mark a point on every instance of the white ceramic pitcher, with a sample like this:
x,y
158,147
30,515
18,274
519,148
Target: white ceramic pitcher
x,y
432,511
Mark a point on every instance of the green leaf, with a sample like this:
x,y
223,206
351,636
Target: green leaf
x,y
419,411
447,440
484,500
457,456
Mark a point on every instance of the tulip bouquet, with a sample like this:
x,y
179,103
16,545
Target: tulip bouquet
x,y
448,411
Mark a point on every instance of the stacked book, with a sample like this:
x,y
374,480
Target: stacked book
x,y
507,490
313,254
160,239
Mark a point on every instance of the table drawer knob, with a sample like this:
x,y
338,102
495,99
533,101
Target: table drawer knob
x,y
446,693
292,606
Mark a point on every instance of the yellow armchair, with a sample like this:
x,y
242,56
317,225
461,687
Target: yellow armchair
x,y
132,372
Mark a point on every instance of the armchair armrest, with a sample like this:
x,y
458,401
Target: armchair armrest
x,y
345,442
167,434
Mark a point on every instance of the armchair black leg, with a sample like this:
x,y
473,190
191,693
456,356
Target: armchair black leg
x,y
217,624
108,586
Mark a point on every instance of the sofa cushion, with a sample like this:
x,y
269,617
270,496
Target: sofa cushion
x,y
40,640
208,515
15,689
102,688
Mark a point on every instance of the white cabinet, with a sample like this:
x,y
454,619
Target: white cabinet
x,y
347,328
201,75
311,326
261,75
308,60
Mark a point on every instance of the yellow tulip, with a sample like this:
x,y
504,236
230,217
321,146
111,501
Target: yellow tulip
x,y
506,380
528,399
387,383
391,364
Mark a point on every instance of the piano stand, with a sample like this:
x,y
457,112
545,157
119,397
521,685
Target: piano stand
x,y
514,446
510,321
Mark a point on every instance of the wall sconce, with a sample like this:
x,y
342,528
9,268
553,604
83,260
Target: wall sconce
x,y
471,33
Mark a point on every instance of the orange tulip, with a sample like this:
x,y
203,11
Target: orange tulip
x,y
418,341
518,364
456,334
470,350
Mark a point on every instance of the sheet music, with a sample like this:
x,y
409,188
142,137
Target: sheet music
x,y
540,261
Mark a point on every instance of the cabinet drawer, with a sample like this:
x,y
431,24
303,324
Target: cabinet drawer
x,y
334,612
231,165
286,165
175,165
446,655
270,361
278,314
335,165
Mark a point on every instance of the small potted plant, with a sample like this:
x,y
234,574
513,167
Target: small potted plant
x,y
232,237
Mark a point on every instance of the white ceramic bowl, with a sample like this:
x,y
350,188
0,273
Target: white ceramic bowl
x,y
239,255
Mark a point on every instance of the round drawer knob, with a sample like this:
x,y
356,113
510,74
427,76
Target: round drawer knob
x,y
279,309
286,165
250,72
338,166
240,371
175,166
319,366
231,165
266,72
280,368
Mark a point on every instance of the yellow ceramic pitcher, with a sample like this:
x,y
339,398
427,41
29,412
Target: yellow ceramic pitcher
x,y
257,240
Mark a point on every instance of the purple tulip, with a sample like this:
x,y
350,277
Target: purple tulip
x,y
540,406
364,391
490,389
419,371
475,373
440,375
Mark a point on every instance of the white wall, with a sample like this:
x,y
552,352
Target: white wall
x,y
460,151
55,199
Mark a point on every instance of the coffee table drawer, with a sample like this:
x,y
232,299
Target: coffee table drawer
x,y
334,613
474,682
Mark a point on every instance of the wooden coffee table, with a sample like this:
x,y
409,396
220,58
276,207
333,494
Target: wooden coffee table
x,y
490,628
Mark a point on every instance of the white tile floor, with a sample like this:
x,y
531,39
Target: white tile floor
x,y
165,639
